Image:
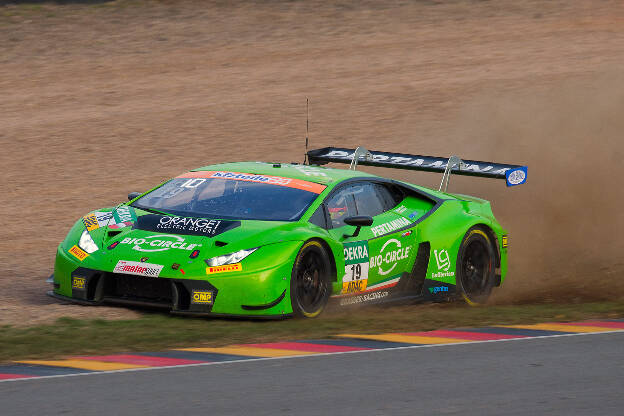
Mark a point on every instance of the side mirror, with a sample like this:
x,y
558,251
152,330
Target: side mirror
x,y
133,195
358,221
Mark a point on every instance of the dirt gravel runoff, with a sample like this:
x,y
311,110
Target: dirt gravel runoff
x,y
97,100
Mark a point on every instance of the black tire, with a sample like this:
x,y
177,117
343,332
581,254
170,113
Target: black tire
x,y
476,267
310,284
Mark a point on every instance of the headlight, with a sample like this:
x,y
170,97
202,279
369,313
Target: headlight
x,y
230,258
86,242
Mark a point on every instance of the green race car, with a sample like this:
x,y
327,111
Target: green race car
x,y
275,240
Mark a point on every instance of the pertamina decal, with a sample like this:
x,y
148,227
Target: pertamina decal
x,y
443,262
79,253
389,256
137,268
202,297
236,267
388,227
355,278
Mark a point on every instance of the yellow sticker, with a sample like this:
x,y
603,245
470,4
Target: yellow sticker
x,y
201,296
79,253
354,286
90,221
79,282
236,267
504,241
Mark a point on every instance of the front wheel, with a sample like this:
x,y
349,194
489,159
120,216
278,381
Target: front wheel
x,y
310,281
475,267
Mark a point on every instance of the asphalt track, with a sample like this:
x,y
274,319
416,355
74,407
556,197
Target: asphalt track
x,y
580,374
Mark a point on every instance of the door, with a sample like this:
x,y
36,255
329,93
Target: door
x,y
376,258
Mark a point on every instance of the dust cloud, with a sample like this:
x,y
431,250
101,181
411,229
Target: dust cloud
x,y
567,223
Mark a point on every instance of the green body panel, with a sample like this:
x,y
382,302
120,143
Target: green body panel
x,y
377,258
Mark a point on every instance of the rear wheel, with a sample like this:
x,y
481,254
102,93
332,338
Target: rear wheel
x,y
476,267
309,282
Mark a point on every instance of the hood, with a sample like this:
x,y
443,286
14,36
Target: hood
x,y
183,240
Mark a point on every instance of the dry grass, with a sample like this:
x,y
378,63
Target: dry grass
x,y
99,101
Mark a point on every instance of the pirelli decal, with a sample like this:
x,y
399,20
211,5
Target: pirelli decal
x,y
236,267
504,241
79,253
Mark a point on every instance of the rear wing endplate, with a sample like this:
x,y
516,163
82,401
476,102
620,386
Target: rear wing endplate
x,y
513,174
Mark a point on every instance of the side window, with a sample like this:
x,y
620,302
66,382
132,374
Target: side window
x,y
391,196
340,206
319,218
363,198
367,201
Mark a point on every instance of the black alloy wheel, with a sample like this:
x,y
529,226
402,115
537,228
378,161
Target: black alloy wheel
x,y
476,267
309,285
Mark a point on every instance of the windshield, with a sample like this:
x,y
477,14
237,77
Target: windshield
x,y
232,195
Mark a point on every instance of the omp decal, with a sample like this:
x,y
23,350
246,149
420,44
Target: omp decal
x,y
388,227
79,253
79,283
159,242
202,297
443,262
236,267
136,268
355,278
390,255
251,177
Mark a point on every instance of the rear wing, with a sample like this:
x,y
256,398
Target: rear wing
x,y
513,174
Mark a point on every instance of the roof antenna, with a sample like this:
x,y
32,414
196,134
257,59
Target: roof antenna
x,y
305,156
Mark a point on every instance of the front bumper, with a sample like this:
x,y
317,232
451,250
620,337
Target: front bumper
x,y
264,293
